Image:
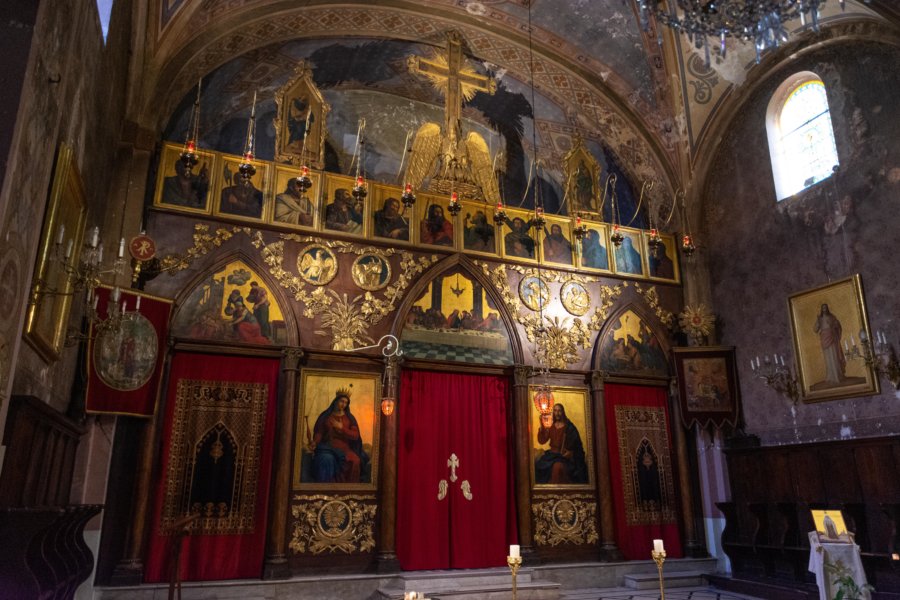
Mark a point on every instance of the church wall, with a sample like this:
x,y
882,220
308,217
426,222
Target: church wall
x,y
73,92
760,251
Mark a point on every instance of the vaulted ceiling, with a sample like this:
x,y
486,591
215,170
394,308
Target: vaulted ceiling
x,y
646,99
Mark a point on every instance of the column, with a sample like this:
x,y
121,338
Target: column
x,y
521,413
276,563
694,545
608,549
387,548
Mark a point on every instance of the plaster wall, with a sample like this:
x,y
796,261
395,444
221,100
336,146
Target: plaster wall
x,y
761,251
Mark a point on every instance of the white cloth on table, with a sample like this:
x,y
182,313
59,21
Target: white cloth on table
x,y
846,554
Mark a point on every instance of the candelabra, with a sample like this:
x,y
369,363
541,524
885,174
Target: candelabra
x,y
778,376
514,560
659,556
880,356
116,315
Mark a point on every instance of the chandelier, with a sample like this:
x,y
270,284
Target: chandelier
x,y
759,21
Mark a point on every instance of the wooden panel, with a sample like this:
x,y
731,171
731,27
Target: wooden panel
x,y
839,474
873,463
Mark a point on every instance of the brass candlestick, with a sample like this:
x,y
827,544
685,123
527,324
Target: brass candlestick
x,y
514,564
660,558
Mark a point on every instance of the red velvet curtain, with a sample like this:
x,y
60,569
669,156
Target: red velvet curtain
x,y
636,540
222,556
467,415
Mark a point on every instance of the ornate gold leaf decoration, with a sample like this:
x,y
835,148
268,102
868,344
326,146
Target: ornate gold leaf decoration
x,y
651,296
697,321
204,242
346,321
567,519
333,524
557,345
607,297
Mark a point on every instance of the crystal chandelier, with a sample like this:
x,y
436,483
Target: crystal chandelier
x,y
759,21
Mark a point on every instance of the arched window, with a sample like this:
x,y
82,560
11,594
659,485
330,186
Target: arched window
x,y
801,138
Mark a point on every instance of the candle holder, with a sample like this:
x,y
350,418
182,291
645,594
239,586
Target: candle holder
x,y
660,558
514,563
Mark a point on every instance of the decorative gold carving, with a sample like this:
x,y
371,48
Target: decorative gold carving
x,y
533,292
300,105
466,489
567,519
443,486
204,242
333,524
317,264
697,321
371,271
557,345
575,298
608,296
651,296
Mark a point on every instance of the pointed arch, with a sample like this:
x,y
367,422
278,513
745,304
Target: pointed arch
x,y
632,344
202,306
466,267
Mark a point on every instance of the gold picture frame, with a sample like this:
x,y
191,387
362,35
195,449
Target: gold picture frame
x,y
514,244
384,223
827,323
593,249
178,192
52,286
432,208
547,465
341,221
582,176
318,463
557,242
477,228
662,262
290,208
628,259
233,200
300,120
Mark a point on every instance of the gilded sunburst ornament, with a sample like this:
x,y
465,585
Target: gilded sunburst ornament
x,y
697,321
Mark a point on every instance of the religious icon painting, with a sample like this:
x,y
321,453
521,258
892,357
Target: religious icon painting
x,y
628,257
707,385
662,258
519,235
231,304
534,292
561,446
593,249
436,226
575,298
343,212
317,264
237,197
582,173
371,271
831,342
479,230
181,189
294,207
391,220
628,346
336,441
556,242
300,121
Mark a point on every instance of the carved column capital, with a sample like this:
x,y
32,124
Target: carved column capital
x,y
291,358
598,380
520,375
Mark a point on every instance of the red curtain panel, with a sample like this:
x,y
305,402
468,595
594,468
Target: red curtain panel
x,y
216,461
640,456
467,523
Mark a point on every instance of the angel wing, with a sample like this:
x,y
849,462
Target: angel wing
x,y
425,150
482,167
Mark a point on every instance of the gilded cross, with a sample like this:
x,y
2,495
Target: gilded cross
x,y
453,462
454,78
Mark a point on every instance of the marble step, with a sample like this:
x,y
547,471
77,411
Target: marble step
x,y
649,581
481,584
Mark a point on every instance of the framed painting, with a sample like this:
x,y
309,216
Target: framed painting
x,y
238,199
519,235
707,385
479,234
630,347
293,208
628,259
561,440
300,120
582,174
343,213
180,190
662,261
556,242
60,246
337,431
391,220
829,324
435,225
593,249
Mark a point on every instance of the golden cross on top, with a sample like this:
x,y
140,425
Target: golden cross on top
x,y
454,78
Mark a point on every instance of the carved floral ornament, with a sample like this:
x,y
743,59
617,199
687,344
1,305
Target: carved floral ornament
x,y
567,519
333,524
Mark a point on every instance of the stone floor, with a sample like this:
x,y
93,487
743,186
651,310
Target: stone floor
x,y
619,593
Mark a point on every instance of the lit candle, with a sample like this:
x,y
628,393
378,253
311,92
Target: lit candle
x,y
95,237
409,188
658,546
360,181
514,551
499,206
121,247
454,198
61,235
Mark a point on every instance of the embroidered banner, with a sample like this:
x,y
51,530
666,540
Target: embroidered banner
x,y
125,362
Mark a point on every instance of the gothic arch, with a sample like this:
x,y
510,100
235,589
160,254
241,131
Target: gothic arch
x,y
653,360
468,267
260,273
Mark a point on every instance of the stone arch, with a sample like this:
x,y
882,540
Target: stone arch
x,y
193,305
469,269
647,357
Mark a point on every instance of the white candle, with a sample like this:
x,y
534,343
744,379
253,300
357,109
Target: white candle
x,y
96,298
782,360
846,347
658,546
137,305
61,235
100,254
95,237
752,365
69,249
115,294
122,248
514,551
